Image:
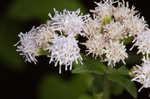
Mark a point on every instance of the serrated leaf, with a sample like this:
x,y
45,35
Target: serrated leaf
x,y
89,66
124,82
30,9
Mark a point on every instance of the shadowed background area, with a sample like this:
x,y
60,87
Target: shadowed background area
x,y
20,80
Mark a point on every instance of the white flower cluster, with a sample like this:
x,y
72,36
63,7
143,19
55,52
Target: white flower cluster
x,y
106,32
109,27
142,73
56,39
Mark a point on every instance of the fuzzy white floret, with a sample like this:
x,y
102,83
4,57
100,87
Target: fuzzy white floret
x,y
65,51
27,46
142,73
68,22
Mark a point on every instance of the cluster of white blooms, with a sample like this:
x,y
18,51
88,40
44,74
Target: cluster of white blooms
x,y
112,23
142,73
56,40
32,42
106,32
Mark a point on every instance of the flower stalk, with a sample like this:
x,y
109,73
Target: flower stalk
x,y
106,92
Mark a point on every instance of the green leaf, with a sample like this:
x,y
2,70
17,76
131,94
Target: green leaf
x,y
43,52
128,40
121,71
125,82
30,9
85,97
98,84
99,96
116,89
89,66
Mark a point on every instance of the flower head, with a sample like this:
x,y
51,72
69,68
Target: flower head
x,y
104,9
134,25
95,45
28,45
115,52
142,73
142,41
68,22
114,31
123,11
31,42
92,26
44,34
64,51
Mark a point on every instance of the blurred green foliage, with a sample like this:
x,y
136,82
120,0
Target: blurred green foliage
x,y
52,87
8,38
29,9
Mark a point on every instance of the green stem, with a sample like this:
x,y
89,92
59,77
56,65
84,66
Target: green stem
x,y
106,94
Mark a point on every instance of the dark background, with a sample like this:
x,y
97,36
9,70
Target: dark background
x,y
19,80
